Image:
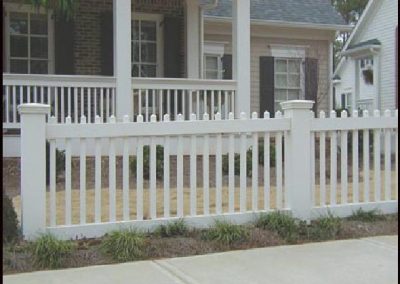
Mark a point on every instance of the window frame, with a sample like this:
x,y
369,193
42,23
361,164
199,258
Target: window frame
x,y
158,18
290,52
24,8
216,50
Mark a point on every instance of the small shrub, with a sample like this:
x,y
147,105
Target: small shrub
x,y
10,221
226,233
249,157
176,228
367,216
279,222
325,228
146,162
124,245
49,252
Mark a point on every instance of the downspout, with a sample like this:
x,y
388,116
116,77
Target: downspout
x,y
204,7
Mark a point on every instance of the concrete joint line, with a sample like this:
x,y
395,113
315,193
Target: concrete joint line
x,y
180,276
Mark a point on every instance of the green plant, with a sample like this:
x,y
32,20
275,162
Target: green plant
x,y
124,245
279,222
49,252
175,228
226,233
146,162
367,216
10,221
249,157
60,162
325,228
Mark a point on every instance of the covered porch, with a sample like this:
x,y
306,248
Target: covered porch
x,y
145,68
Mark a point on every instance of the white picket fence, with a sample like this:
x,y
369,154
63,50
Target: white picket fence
x,y
285,180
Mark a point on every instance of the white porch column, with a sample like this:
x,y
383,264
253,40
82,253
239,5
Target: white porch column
x,y
241,54
354,96
193,39
330,74
122,57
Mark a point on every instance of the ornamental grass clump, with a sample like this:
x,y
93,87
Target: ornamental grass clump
x,y
283,224
367,216
325,228
49,252
175,228
226,233
124,245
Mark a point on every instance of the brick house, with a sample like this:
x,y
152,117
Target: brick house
x,y
166,56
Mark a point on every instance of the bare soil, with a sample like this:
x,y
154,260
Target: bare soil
x,y
17,259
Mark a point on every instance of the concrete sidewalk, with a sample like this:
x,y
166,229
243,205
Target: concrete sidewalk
x,y
369,260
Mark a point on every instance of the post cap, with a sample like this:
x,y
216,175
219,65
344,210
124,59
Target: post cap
x,y
297,104
34,108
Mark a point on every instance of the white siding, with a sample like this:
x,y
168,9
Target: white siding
x,y
381,24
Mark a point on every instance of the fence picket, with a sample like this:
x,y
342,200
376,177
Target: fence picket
x,y
53,177
333,175
82,177
206,180
139,177
97,193
193,171
366,160
254,169
166,174
125,176
231,165
266,166
377,160
388,183
68,192
243,169
153,172
218,170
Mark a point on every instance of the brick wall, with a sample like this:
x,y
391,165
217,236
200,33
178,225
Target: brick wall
x,y
87,48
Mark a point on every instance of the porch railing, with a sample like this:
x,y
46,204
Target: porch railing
x,y
68,95
75,96
161,96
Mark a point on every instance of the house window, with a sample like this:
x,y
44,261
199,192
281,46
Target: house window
x,y
213,67
367,70
28,41
146,44
213,53
288,78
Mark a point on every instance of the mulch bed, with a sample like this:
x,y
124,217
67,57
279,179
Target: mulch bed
x,y
16,258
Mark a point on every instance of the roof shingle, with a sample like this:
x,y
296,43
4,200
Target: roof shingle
x,y
297,11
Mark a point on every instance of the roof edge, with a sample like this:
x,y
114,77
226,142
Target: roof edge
x,y
285,24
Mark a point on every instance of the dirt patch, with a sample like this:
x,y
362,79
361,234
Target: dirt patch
x,y
16,258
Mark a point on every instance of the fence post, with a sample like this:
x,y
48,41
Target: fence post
x,y
33,168
298,181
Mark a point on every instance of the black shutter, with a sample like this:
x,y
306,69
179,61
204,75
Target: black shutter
x,y
311,80
172,47
227,66
64,45
267,85
107,43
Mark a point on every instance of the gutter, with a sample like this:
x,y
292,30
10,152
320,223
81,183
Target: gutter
x,y
272,23
371,48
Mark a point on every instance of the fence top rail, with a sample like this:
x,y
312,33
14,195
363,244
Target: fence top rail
x,y
58,80
183,84
355,123
166,128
